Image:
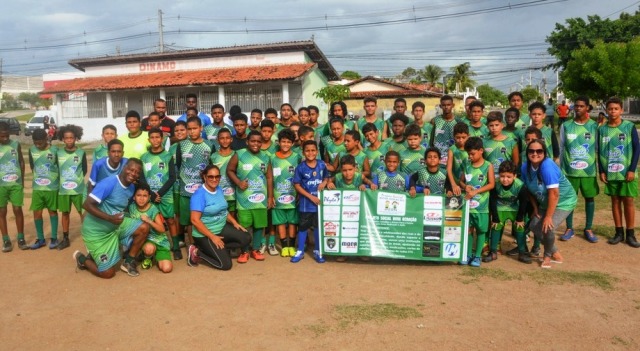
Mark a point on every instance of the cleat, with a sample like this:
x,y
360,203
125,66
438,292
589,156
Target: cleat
x,y
64,244
299,255
129,268
243,258
53,244
38,244
22,244
76,257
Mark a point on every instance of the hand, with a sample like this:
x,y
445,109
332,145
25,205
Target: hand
x,y
449,193
362,187
426,191
470,194
457,190
239,227
412,192
547,225
536,214
321,186
315,200
117,218
494,225
373,187
330,186
271,203
158,197
603,178
244,185
218,242
145,218
520,224
630,176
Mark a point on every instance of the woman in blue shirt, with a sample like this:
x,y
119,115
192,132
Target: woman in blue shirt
x,y
214,229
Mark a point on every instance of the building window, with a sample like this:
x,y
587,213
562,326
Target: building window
x,y
119,104
147,101
176,100
74,105
97,105
207,99
252,96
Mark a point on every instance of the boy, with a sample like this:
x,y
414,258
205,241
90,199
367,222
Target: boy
x,y
314,113
180,134
413,156
106,167
240,126
303,116
349,177
294,127
398,123
514,127
442,132
311,177
432,179
154,121
376,150
455,155
389,179
221,159
619,150
136,141
282,194
266,130
498,147
160,174
508,202
72,164
109,132
578,141
304,133
516,100
399,107
477,179
370,107
353,148
255,117
333,144
217,113
537,115
44,166
11,187
247,169
417,110
476,127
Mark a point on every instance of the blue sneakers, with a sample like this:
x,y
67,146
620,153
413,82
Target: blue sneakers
x,y
38,244
590,236
297,257
466,261
567,235
475,262
318,257
53,244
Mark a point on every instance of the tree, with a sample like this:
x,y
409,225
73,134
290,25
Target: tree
x,y
492,96
9,102
530,94
332,93
431,74
30,98
461,77
605,70
352,75
409,73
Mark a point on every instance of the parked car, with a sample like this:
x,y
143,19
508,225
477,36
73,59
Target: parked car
x,y
37,121
14,125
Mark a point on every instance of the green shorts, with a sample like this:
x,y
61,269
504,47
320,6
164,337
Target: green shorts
x,y
162,253
622,188
480,221
65,202
166,206
253,218
13,194
176,203
231,205
185,210
105,248
41,199
284,216
587,185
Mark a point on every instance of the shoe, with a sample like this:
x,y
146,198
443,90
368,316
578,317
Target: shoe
x,y
77,255
285,252
38,244
465,262
263,248
146,263
556,257
177,254
590,236
568,234
243,258
257,255
546,262
617,238
129,268
192,256
513,252
485,249
7,246
53,244
318,257
299,255
535,252
272,250
64,244
631,241
491,256
22,244
525,258
181,244
475,262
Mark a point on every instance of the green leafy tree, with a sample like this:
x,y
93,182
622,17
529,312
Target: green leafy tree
x,y
431,74
332,93
352,75
409,73
30,98
491,96
461,77
9,102
530,94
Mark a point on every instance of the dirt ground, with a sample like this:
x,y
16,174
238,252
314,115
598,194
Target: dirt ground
x,y
590,302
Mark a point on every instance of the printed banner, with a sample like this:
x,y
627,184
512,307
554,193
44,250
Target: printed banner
x,y
393,225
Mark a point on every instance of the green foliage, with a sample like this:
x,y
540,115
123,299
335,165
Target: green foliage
x,y
530,94
461,77
352,75
431,74
353,314
492,96
9,102
409,73
332,93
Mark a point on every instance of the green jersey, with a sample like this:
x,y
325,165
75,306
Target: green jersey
x,y
156,168
354,185
10,171
411,160
615,149
443,136
376,158
100,152
228,189
212,130
271,150
481,132
426,129
253,169
507,200
547,136
525,119
44,165
172,151
578,148
72,170
435,182
379,123
459,155
395,146
191,159
498,151
152,212
390,181
283,171
361,158
331,148
477,177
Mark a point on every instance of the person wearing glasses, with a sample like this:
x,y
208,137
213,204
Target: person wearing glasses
x,y
551,196
214,229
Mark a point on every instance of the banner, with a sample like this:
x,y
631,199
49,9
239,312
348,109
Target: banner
x,y
393,225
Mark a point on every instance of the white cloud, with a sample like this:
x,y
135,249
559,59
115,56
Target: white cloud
x,y
63,18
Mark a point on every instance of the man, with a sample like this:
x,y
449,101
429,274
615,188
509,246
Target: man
x,y
549,113
192,102
166,123
563,112
105,228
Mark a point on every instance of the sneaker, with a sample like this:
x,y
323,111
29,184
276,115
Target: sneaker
x,y
177,254
257,255
64,244
465,261
299,255
192,256
568,234
38,244
513,252
272,250
475,262
77,255
318,257
129,268
22,244
285,252
7,246
181,244
590,236
546,262
243,258
491,256
525,258
535,252
263,248
146,263
53,244
556,257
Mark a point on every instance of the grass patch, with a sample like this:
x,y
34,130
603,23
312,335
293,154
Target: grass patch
x,y
495,273
595,279
616,340
353,314
318,329
25,118
607,231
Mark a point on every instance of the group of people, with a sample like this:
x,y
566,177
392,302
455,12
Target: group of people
x,y
221,186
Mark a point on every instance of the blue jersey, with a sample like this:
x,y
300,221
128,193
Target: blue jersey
x,y
213,207
549,176
112,197
309,178
101,170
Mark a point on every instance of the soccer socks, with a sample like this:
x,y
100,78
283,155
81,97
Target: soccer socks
x,y
54,227
590,210
6,238
257,238
39,228
495,237
480,243
272,239
521,240
176,243
20,236
302,239
570,220
316,237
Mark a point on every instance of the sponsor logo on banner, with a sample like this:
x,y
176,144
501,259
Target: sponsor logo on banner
x,y
430,250
331,245
348,246
330,198
432,217
349,229
69,185
256,198
392,204
452,234
431,233
351,198
433,202
454,202
330,229
451,250
350,213
331,213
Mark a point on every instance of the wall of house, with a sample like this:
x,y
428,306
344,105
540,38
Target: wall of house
x,y
312,82
372,85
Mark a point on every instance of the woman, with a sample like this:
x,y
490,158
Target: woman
x,y
214,229
552,197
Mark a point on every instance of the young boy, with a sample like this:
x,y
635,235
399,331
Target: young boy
x,y
514,128
398,123
432,179
619,150
247,169
508,202
349,177
389,179
516,100
106,167
157,243
240,126
376,150
44,166
578,141
217,114
417,110
498,147
399,107
455,155
476,127
109,132
442,132
370,116
413,156
221,159
477,179
353,148
537,115
136,141
266,130
154,121
11,187
303,116
311,177
72,164
160,174
304,133
180,134
282,194
255,117
333,144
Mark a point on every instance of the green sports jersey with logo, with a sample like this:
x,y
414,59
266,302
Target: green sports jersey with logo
x,y
355,183
615,149
459,155
326,128
579,149
100,152
379,123
498,151
477,177
253,169
443,136
508,198
481,132
172,151
228,188
10,172
331,148
411,160
211,131
194,158
45,168
271,150
525,119
376,158
391,182
395,146
361,158
435,182
283,171
156,168
426,129
516,134
159,239
71,171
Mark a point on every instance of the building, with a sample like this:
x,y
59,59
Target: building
x,y
251,76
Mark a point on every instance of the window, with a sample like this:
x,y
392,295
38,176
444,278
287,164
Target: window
x,y
97,105
248,97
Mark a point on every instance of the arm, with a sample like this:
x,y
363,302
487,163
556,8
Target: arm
x,y
21,162
493,206
91,205
561,145
84,164
515,154
366,169
371,184
31,161
385,131
523,201
413,186
170,182
303,192
156,224
331,183
635,146
454,187
231,173
554,146
178,157
271,202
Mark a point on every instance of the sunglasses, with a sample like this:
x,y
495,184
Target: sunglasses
x,y
535,151
214,177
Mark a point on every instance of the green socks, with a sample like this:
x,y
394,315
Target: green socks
x,y
6,238
272,239
570,220
54,227
590,209
521,240
176,243
495,237
480,243
39,228
20,236
257,238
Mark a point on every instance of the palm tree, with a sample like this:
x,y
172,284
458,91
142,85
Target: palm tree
x,y
461,77
432,74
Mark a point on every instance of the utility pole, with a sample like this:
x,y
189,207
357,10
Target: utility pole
x,y
160,30
0,84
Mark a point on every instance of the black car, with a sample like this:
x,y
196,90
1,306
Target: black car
x,y
14,125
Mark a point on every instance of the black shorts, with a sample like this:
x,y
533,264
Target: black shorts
x,y
308,220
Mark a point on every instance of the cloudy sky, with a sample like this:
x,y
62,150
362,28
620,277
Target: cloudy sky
x,y
503,40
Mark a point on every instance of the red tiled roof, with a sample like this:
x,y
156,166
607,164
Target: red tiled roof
x,y
182,78
393,93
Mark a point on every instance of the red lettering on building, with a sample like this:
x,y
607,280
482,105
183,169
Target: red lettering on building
x,y
157,66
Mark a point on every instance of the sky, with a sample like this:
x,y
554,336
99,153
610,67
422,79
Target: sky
x,y
504,41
